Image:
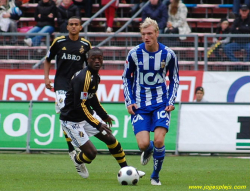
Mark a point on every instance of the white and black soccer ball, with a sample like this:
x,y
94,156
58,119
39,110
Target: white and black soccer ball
x,y
128,176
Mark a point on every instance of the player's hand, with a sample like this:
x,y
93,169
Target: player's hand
x,y
104,129
6,15
169,24
109,121
169,108
130,108
48,84
50,15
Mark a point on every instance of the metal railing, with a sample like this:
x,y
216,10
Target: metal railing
x,y
194,53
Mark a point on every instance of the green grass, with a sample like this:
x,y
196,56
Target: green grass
x,y
56,172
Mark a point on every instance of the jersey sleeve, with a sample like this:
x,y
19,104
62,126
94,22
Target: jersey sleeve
x,y
96,105
173,78
81,88
52,50
128,79
87,48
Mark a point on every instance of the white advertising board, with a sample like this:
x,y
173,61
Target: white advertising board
x,y
211,127
226,86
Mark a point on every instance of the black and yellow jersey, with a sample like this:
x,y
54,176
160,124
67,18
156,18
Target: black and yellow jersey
x,y
81,98
71,57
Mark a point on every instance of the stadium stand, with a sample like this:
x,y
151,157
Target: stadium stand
x,y
202,18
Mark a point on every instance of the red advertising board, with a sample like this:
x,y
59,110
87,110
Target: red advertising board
x,y
29,85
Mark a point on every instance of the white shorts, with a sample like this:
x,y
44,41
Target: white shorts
x,y
60,97
79,132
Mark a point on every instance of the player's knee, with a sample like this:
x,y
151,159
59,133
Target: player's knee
x,y
109,139
158,143
91,154
143,145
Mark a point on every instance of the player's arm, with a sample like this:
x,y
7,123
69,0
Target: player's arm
x,y
174,81
96,105
81,88
128,79
47,63
47,66
85,59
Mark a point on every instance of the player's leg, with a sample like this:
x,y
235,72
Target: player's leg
x,y
76,133
161,120
116,150
142,123
59,104
158,154
114,147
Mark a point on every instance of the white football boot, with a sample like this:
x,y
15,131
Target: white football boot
x,y
141,173
145,157
155,182
80,168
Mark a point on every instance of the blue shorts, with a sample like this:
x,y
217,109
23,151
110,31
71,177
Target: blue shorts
x,y
149,120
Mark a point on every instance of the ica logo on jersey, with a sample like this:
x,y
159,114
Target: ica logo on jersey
x,y
136,118
151,78
70,57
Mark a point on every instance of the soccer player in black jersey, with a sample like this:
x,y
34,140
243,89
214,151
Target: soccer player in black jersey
x,y
83,116
71,57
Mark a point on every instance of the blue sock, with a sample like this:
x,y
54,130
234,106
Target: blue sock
x,y
150,147
158,155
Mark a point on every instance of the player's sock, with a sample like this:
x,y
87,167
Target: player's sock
x,y
81,157
158,155
116,150
70,146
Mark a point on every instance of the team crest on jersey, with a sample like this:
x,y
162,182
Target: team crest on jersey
x,y
60,100
84,95
81,134
81,50
64,48
163,64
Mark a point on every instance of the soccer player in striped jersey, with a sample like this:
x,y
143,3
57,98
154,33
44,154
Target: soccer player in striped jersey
x,y
83,116
70,52
147,97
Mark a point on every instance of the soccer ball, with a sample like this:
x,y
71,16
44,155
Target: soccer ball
x,y
128,176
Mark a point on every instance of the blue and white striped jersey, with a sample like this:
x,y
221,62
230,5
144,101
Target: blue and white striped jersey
x,y
144,76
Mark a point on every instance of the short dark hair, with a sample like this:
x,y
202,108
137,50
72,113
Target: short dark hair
x,y
95,49
199,88
76,17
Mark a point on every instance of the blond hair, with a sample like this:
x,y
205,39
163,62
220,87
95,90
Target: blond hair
x,y
148,22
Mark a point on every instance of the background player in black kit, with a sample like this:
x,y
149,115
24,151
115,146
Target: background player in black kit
x,y
83,116
71,57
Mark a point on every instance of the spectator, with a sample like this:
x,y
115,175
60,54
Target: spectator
x,y
137,5
13,14
241,25
199,94
223,28
45,14
4,22
236,7
177,15
110,13
65,11
156,11
86,5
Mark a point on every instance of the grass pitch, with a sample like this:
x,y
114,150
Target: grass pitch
x,y
56,172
